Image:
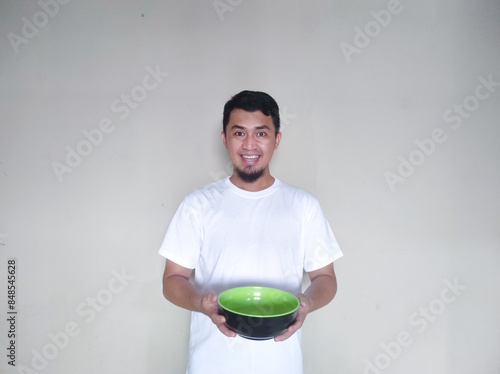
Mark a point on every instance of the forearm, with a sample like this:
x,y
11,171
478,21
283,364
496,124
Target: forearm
x,y
181,292
321,291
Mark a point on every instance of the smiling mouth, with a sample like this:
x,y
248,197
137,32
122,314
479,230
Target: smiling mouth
x,y
250,159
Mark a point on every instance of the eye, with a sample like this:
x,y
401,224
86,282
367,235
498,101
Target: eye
x,y
261,133
239,133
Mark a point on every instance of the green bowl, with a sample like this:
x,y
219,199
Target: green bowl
x,y
258,313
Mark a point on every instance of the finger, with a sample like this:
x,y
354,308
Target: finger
x,y
211,297
289,332
226,330
218,319
304,302
301,315
209,303
282,337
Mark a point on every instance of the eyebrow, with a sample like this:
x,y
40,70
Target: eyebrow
x,y
261,127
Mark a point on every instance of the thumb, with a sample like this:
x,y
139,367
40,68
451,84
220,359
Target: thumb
x,y
211,296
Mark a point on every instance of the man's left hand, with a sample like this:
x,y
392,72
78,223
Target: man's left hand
x,y
303,311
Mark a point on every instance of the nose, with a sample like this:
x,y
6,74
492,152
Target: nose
x,y
249,143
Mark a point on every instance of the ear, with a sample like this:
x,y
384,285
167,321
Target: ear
x,y
278,139
224,141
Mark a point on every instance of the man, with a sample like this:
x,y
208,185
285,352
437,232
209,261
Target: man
x,y
249,229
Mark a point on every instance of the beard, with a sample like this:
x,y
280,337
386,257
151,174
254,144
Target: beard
x,y
249,175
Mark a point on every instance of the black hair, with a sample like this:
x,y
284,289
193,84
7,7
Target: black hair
x,y
252,101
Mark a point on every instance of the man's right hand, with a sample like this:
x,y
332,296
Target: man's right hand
x,y
179,290
210,307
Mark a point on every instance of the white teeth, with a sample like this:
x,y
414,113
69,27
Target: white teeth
x,y
250,157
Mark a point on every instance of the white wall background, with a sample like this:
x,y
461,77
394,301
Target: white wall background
x,y
349,119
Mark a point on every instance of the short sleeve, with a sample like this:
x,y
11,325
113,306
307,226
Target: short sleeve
x,y
183,239
321,247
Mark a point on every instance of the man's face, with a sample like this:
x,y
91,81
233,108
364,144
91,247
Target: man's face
x,y
250,140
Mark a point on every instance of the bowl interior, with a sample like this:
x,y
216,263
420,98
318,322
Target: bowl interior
x,y
258,301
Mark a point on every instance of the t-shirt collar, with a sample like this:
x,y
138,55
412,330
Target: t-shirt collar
x,y
253,194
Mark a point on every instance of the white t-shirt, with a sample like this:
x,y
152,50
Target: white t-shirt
x,y
232,238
